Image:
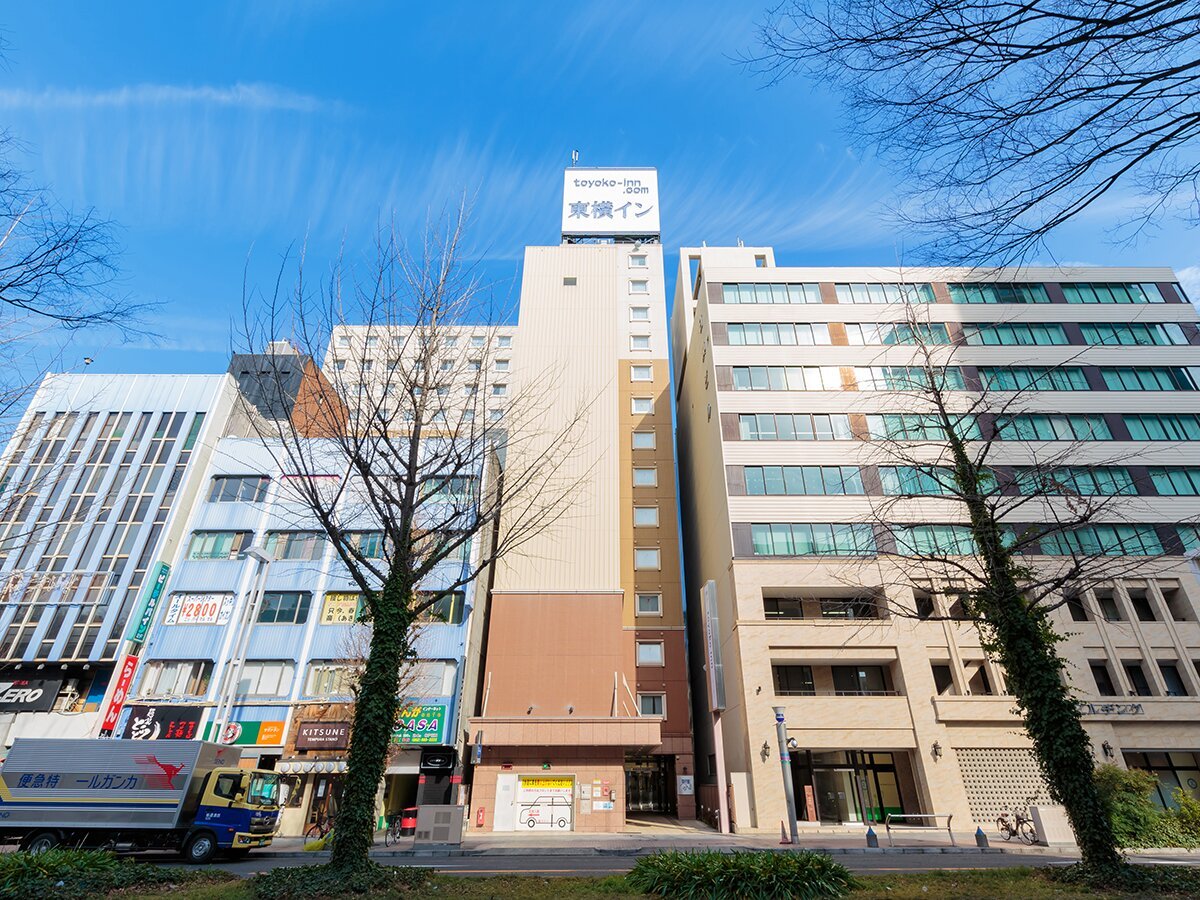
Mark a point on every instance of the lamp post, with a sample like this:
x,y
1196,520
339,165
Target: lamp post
x,y
785,762
241,643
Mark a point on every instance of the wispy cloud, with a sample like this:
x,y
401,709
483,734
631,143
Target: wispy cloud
x,y
265,97
1189,277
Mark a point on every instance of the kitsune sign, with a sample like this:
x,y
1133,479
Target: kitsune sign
x,y
609,202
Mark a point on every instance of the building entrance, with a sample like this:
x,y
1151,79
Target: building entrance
x,y
843,786
650,785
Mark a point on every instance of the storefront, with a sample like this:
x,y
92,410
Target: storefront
x,y
650,785
839,787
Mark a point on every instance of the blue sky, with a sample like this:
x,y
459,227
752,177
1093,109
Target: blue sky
x,y
215,133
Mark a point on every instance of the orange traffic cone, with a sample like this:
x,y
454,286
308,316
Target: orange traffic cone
x,y
783,835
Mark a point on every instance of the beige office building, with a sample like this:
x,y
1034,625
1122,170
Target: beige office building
x,y
584,713
785,383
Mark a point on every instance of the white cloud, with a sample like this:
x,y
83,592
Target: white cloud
x,y
1189,277
238,96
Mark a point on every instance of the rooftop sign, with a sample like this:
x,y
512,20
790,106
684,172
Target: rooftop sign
x,y
609,202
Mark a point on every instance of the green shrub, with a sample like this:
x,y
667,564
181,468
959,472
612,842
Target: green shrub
x,y
313,882
1137,820
1187,813
766,875
76,873
1134,879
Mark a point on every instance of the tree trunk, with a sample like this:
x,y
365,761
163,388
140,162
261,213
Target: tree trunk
x,y
374,719
1022,640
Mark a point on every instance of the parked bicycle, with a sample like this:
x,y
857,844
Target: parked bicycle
x,y
320,828
1018,824
392,831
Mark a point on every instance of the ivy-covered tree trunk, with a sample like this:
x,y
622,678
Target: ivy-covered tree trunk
x,y
1020,637
374,719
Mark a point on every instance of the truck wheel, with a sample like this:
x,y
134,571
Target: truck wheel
x,y
200,848
40,842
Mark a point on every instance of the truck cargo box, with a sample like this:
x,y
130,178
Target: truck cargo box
x,y
104,782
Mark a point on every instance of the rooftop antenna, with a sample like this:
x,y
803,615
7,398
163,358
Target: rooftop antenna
x,y
574,158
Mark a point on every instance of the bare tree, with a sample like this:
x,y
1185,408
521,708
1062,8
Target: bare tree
x,y
1005,120
420,463
1032,513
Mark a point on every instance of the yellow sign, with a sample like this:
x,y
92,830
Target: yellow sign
x,y
340,608
547,784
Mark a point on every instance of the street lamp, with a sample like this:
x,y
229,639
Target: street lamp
x,y
785,762
241,643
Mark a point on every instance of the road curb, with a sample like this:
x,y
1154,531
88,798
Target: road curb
x,y
633,852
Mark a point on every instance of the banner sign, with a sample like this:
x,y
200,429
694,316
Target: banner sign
x,y
599,202
28,694
199,609
166,723
120,693
243,733
423,724
140,620
322,735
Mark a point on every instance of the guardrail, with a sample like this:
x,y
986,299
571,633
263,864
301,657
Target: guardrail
x,y
888,824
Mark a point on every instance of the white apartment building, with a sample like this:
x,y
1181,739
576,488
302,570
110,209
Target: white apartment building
x,y
784,379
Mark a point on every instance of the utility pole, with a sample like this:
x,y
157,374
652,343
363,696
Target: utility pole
x,y
785,761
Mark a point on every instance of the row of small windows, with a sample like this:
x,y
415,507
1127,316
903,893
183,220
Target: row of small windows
x,y
291,545
1076,292
855,539
1008,334
475,341
950,378
927,427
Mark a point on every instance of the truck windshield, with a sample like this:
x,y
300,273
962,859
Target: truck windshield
x,y
264,790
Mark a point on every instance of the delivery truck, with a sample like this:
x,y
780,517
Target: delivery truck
x,y
127,795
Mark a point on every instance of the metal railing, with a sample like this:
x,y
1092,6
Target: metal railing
x,y
895,817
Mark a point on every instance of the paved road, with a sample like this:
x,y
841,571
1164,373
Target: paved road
x,y
543,865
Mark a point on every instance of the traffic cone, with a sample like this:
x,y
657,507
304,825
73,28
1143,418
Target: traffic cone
x,y
783,835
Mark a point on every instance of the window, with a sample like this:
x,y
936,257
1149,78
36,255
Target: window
x,y
793,681
908,378
642,406
649,604
447,606
176,678
861,680
368,543
920,427
1139,684
777,333
495,415
794,427
998,293
645,440
1163,333
1183,427
1017,334
641,373
783,480
329,678
266,678
295,545
502,365
646,558
284,607
889,333
639,314
504,341
787,378
884,293
477,341
342,608
650,653
451,342
770,293
1103,679
1089,481
645,517
1107,540
645,476
637,260
652,704
1172,678
639,342
1142,608
450,489
918,540
218,544
809,539
238,488
916,481
447,365
1043,427
639,286
570,281
1176,482
371,343
1081,292
1033,378
943,678
1151,378
499,390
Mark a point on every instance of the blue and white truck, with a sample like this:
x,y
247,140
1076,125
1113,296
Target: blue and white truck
x,y
188,796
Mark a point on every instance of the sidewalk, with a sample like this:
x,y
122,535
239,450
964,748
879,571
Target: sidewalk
x,y
680,837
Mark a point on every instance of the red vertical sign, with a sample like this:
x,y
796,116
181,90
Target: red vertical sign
x,y
120,693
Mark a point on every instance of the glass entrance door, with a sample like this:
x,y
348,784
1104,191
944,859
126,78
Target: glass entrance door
x,y
837,799
650,785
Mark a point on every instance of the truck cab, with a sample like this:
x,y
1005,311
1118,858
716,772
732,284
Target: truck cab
x,y
241,809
